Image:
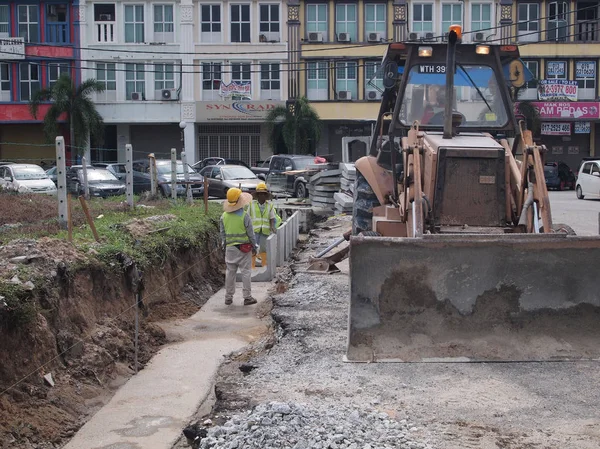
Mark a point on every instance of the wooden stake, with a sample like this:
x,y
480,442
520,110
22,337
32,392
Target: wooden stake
x,y
89,217
69,219
205,195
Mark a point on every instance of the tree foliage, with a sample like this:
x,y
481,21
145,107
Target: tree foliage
x,y
300,128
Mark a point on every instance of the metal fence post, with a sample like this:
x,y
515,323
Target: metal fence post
x,y
61,181
86,187
129,174
186,176
174,173
152,167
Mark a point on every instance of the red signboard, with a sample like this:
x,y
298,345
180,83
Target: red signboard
x,y
49,51
577,110
20,113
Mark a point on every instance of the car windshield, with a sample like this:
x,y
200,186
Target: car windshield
x,y
100,175
476,92
303,162
165,168
550,169
240,172
33,172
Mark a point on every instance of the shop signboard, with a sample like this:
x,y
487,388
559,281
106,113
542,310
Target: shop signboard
x,y
585,69
582,110
556,129
557,90
241,89
12,48
235,111
582,127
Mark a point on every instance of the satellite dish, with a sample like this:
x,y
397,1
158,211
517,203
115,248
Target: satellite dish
x,y
517,73
390,74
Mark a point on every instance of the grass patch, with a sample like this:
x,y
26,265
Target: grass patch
x,y
17,306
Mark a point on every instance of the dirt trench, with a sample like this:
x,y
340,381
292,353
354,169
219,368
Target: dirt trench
x,y
83,335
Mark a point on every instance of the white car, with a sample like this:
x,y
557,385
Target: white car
x,y
26,178
588,180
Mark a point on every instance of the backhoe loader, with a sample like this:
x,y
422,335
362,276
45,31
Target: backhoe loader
x,y
454,255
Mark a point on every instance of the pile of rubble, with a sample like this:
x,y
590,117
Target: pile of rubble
x,y
344,199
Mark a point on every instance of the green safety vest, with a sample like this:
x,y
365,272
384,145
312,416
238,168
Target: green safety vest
x,y
260,220
235,231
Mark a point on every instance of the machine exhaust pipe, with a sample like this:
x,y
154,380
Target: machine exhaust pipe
x,y
450,66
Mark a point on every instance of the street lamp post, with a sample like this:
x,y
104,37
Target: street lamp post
x,y
186,175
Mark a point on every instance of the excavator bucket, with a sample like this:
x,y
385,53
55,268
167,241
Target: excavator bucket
x,y
513,297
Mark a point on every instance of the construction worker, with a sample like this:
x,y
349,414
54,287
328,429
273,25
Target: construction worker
x,y
240,244
264,219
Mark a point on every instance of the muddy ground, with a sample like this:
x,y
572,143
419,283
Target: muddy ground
x,y
454,405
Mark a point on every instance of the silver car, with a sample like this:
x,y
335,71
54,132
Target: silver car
x,y
221,178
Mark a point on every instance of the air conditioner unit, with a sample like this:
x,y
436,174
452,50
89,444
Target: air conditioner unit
x,y
414,36
374,37
167,94
479,37
343,37
136,95
315,37
429,36
269,37
445,38
372,95
344,95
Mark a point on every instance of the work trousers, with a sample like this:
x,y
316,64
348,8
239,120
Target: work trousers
x,y
261,239
236,259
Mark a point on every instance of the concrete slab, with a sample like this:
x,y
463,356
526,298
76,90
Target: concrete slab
x,y
324,174
343,199
153,407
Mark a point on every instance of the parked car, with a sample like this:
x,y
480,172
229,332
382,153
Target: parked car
x,y
588,182
217,161
26,178
51,172
559,176
118,170
141,178
262,168
221,178
293,184
101,182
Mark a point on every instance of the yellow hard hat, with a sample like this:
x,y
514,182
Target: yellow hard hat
x,y
262,187
233,195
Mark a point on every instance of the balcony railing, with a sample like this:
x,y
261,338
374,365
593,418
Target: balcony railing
x,y
57,32
587,31
105,32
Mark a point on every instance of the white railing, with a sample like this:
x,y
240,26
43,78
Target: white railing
x,y
105,32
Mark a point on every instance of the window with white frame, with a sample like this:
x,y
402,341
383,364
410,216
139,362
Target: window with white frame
x,y
241,72
451,15
135,81
29,22
558,21
269,23
556,70
210,23
164,78
317,80
240,23
316,19
270,83
345,20
211,80
29,80
4,81
345,79
164,23
4,21
106,73
134,24
528,22
585,75
55,70
422,17
373,79
481,17
375,19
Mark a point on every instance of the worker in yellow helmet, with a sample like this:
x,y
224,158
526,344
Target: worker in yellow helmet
x,y
240,244
262,213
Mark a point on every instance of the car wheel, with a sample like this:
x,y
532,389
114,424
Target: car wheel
x,y
301,191
579,193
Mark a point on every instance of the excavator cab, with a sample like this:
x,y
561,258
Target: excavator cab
x,y
457,257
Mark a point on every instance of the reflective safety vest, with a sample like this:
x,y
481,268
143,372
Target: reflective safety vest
x,y
235,231
260,220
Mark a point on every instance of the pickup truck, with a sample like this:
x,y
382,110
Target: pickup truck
x,y
262,168
281,177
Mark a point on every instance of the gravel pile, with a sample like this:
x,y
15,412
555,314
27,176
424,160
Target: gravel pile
x,y
292,425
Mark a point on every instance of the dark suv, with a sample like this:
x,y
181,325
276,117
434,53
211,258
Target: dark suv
x,y
559,176
279,181
141,178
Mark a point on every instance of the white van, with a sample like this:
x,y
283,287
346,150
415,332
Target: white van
x,y
26,178
588,180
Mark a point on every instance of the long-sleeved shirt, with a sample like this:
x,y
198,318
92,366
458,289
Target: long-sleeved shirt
x,y
247,225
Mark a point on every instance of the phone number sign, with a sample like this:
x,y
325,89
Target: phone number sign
x,y
549,90
556,129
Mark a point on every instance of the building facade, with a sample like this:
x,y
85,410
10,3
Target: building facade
x,y
560,44
38,43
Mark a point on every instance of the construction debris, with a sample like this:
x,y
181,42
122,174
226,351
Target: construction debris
x,y
322,186
344,199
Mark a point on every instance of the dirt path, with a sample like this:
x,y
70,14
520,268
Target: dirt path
x,y
484,406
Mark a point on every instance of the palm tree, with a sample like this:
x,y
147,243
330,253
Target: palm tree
x,y
76,102
300,128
